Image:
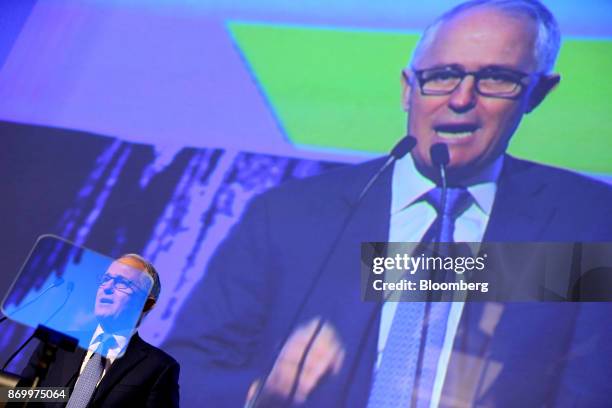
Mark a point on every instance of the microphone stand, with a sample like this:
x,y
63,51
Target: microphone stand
x,y
403,147
440,158
58,282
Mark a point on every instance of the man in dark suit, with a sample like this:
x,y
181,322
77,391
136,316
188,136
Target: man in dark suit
x,y
119,368
476,71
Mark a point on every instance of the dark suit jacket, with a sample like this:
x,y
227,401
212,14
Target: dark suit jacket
x,y
234,324
144,376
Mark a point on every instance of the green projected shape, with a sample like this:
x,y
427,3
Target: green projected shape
x,y
340,89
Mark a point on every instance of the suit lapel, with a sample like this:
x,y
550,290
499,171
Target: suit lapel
x,y
134,353
69,365
523,208
518,212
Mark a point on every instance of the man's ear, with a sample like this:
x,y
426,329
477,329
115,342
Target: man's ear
x,y
406,81
149,303
544,86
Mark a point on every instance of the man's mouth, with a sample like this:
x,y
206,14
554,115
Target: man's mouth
x,y
105,300
456,131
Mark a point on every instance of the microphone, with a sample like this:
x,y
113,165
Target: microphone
x,y
402,148
69,289
58,282
440,158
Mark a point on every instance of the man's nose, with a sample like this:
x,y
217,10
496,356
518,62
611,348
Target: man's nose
x,y
108,287
464,96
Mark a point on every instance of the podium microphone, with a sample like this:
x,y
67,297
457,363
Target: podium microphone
x,y
440,158
58,282
69,289
402,148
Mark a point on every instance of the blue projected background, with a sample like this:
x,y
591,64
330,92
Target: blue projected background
x,y
276,77
146,125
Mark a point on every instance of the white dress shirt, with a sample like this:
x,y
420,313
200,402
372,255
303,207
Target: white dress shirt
x,y
121,340
410,219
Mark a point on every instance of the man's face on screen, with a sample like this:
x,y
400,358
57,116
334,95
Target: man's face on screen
x,y
476,128
121,293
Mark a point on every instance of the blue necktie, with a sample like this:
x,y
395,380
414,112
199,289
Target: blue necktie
x,y
397,382
443,228
88,380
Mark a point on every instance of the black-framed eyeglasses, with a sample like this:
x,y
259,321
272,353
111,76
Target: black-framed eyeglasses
x,y
493,82
119,283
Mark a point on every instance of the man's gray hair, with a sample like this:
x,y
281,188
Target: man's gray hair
x,y
548,40
151,271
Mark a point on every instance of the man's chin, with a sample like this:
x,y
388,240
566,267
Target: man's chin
x,y
115,323
104,318
103,311
109,324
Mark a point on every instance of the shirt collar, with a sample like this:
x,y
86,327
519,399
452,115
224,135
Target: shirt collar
x,y
120,337
408,184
